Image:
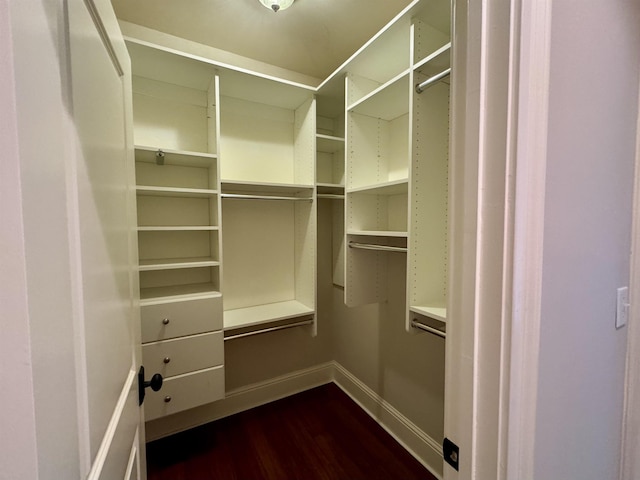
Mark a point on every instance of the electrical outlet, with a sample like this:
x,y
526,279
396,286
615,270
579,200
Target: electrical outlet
x,y
622,307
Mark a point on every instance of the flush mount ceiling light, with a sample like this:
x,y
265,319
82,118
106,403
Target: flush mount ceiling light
x,y
277,5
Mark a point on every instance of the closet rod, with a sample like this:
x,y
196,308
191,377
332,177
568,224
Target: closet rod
x,y
421,87
427,328
264,197
270,329
331,195
373,246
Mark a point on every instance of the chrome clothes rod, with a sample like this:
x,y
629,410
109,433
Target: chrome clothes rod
x,y
331,195
421,87
264,197
373,246
270,329
427,328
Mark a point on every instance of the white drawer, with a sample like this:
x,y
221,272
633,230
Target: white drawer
x,y
184,392
177,319
182,355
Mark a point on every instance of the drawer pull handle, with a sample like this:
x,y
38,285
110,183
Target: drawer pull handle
x,y
165,321
166,359
167,399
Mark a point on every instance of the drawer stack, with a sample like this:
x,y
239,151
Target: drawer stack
x,y
183,341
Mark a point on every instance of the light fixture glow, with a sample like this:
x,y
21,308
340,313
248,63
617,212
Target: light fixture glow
x,y
277,5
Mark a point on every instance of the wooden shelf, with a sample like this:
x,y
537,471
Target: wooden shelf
x,y
437,313
263,314
175,192
389,101
188,228
175,157
175,263
329,143
178,292
394,187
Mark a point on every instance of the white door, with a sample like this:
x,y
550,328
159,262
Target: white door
x,y
104,256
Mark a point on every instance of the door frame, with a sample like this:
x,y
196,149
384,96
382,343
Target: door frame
x,y
499,105
629,459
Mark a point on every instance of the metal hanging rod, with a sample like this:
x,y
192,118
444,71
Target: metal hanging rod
x,y
421,87
427,328
373,246
334,196
264,197
270,329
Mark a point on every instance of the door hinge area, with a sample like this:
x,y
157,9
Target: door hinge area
x,y
451,453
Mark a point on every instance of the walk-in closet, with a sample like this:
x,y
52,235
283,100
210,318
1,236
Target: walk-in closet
x,y
291,235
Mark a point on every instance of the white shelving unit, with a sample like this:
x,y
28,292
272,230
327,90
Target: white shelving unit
x,y
330,172
396,165
268,203
427,269
176,131
377,138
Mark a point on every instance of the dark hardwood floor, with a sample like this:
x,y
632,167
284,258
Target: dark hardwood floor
x,y
318,434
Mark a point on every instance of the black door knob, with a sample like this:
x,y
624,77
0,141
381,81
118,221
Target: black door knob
x,y
155,383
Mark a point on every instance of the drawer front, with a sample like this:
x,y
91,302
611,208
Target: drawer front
x,y
184,392
178,319
182,355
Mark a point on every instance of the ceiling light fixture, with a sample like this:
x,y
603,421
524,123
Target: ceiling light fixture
x,y
277,5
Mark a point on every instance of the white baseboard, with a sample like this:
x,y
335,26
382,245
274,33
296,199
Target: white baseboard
x,y
424,448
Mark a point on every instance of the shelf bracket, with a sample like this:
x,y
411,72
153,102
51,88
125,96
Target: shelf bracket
x,y
159,157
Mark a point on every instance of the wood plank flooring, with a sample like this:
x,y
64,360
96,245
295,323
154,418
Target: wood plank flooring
x,y
318,434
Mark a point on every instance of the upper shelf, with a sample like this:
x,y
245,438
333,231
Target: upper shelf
x,y
174,157
390,100
277,191
394,187
175,192
329,143
437,313
262,314
436,62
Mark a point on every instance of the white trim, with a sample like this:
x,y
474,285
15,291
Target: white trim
x,y
112,427
531,153
629,459
420,445
133,464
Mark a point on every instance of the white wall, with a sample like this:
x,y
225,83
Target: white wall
x,y
592,118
